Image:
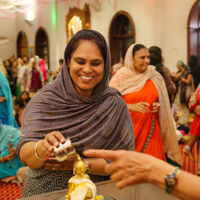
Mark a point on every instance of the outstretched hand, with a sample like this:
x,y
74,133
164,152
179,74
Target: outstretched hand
x,y
128,167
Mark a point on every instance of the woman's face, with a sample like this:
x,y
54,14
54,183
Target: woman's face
x,y
14,64
7,64
34,64
24,96
141,60
86,68
180,67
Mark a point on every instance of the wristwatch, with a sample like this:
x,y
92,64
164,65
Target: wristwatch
x,y
171,179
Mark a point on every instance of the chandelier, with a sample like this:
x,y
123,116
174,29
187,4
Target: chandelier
x,y
15,5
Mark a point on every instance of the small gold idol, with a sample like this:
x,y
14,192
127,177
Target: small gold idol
x,y
80,187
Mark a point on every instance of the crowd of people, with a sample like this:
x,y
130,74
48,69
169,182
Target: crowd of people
x,y
137,105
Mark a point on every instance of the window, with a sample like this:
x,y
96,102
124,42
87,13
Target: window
x,y
121,35
42,46
22,45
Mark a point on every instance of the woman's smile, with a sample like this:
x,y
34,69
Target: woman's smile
x,y
86,78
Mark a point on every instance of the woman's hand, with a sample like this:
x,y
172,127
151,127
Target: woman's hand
x,y
54,164
183,79
197,110
45,147
128,167
139,107
2,99
155,107
180,114
12,153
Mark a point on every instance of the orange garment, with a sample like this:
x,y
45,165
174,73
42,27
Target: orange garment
x,y
142,121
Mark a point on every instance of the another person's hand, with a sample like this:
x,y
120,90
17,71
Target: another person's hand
x,y
197,110
174,74
12,152
2,99
155,107
139,107
45,147
180,114
128,167
183,79
53,164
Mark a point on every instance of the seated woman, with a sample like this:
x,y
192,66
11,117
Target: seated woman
x,y
25,97
142,86
9,162
80,105
19,108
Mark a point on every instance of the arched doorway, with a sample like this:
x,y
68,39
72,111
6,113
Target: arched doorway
x,y
22,45
77,20
121,35
193,30
42,46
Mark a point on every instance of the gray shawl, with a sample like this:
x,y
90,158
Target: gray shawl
x,y
101,121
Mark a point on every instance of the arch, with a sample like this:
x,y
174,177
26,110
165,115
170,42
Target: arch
x,y
80,19
193,31
42,45
22,45
121,35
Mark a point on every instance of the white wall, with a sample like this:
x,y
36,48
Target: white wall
x,y
157,22
176,13
8,29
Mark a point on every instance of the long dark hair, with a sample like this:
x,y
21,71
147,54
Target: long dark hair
x,y
28,99
89,35
137,47
156,59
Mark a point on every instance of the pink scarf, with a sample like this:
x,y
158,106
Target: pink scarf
x,y
126,81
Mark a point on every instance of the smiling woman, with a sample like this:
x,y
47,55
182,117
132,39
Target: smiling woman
x,y
86,68
142,87
80,105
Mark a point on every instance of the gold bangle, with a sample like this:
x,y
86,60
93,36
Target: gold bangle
x,y
2,159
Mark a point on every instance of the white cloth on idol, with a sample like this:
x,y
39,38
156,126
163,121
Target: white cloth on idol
x,y
81,187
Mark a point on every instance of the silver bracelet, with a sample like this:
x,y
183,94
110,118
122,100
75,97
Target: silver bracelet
x,y
188,148
36,151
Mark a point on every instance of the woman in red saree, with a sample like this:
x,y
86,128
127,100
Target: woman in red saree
x,y
141,86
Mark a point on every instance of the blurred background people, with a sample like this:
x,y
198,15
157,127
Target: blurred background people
x,y
6,107
25,97
20,81
156,60
10,77
195,69
9,162
116,67
43,69
2,68
19,108
33,78
185,88
60,65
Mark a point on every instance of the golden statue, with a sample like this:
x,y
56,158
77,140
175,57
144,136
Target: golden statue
x,y
80,187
